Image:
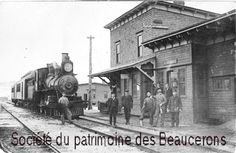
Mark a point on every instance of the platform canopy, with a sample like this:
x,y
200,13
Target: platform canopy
x,y
125,68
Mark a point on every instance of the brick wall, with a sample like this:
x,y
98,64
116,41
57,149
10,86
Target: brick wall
x,y
183,56
200,84
221,64
127,33
174,56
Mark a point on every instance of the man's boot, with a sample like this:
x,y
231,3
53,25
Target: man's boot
x,y
62,119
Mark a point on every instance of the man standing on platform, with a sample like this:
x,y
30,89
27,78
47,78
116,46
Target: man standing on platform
x,y
127,103
148,107
174,107
168,94
160,107
112,104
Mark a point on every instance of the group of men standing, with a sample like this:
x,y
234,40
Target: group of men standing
x,y
127,104
155,106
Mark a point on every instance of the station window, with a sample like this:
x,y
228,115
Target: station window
x,y
118,52
125,84
182,82
220,83
105,94
134,85
140,46
160,79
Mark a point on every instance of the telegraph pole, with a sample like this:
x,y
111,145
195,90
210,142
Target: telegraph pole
x,y
90,71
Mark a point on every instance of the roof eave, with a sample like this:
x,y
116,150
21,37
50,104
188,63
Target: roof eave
x,y
148,2
232,12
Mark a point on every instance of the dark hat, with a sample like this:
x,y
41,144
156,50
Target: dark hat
x,y
126,90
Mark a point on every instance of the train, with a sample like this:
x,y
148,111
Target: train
x,y
41,89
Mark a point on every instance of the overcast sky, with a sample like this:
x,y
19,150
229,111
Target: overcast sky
x,y
35,33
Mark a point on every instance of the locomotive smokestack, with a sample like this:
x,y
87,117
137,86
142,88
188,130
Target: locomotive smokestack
x,y
65,57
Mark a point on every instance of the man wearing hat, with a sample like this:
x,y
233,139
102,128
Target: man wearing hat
x,y
160,107
127,103
64,109
112,104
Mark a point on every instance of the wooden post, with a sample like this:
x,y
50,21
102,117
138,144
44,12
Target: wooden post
x,y
90,71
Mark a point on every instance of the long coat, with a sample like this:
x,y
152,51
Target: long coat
x,y
174,104
168,94
160,103
127,102
112,105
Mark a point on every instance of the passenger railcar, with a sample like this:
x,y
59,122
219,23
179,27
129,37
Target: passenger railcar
x,y
40,89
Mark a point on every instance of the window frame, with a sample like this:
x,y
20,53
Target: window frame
x,y
117,51
134,84
139,45
13,89
105,95
221,80
18,86
182,82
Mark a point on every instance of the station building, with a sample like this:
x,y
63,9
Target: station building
x,y
100,92
190,49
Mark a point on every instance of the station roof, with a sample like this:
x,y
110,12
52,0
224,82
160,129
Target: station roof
x,y
147,3
121,67
190,28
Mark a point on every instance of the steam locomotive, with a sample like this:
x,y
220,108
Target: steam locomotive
x,y
40,89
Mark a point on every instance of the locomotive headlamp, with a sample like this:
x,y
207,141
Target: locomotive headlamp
x,y
68,67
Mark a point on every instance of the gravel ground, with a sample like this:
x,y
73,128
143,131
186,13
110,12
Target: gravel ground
x,y
53,127
8,125
45,124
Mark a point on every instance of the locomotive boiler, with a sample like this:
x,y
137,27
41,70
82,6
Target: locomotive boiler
x,y
40,89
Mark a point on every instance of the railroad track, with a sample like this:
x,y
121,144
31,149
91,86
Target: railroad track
x,y
101,127
116,132
138,130
85,126
26,131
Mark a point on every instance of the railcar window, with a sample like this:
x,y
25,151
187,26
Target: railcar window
x,y
17,87
13,89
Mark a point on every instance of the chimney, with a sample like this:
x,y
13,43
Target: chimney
x,y
179,2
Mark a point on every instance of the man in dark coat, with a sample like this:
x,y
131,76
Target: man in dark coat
x,y
174,107
112,104
168,94
64,109
127,103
